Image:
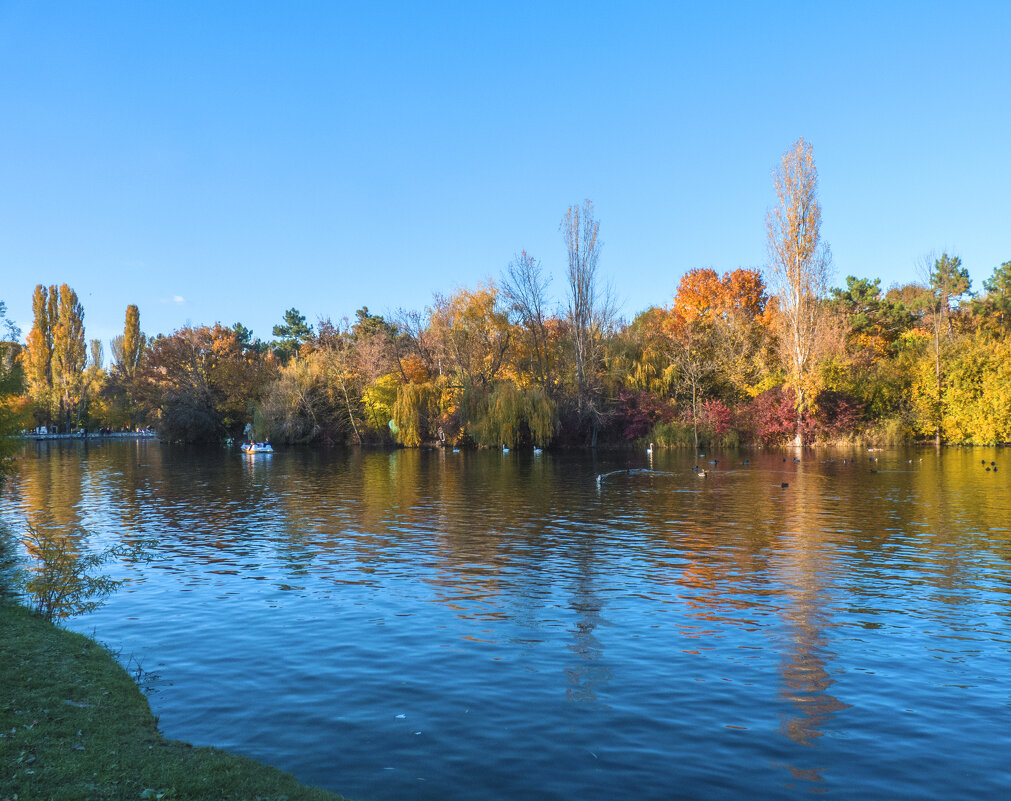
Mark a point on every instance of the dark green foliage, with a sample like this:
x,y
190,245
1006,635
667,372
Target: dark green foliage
x,y
873,320
293,332
247,341
994,308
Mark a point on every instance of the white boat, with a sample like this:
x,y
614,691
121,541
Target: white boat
x,y
257,447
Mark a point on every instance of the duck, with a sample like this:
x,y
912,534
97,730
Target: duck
x,y
702,473
784,485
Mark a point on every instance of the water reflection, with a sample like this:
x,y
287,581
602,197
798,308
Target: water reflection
x,y
511,607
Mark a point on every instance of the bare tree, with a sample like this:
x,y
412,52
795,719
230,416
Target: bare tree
x,y
591,310
799,264
414,340
524,286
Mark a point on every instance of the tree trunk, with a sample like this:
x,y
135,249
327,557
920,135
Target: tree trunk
x,y
798,441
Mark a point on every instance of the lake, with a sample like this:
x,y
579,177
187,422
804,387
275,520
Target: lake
x,y
480,625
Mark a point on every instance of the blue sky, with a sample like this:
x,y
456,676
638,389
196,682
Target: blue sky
x,y
226,161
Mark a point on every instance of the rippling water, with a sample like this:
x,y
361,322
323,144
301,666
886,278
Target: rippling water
x,y
483,625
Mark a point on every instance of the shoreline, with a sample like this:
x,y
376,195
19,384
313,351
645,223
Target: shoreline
x,y
74,724
137,435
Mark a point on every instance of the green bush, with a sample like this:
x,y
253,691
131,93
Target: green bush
x,y
675,434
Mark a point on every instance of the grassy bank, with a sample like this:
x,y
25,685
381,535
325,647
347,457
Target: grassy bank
x,y
73,725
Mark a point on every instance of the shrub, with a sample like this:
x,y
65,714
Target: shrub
x,y
770,418
639,412
835,415
59,581
673,434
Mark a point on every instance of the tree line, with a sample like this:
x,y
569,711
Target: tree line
x,y
746,357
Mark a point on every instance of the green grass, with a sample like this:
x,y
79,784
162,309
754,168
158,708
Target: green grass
x,y
74,725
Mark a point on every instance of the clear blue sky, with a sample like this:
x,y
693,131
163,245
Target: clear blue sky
x,y
225,161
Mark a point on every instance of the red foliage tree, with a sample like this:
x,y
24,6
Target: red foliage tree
x,y
771,417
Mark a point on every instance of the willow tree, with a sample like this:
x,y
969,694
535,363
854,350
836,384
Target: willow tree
x,y
798,268
417,405
513,416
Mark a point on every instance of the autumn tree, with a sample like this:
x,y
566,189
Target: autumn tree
x,y
118,397
644,353
524,288
374,339
62,331
93,384
128,347
798,267
743,352
199,384
590,310
471,332
297,406
38,355
948,282
335,346
11,386
692,328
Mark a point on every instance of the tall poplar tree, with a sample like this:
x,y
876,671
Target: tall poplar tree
x,y
798,267
133,341
69,352
128,351
38,355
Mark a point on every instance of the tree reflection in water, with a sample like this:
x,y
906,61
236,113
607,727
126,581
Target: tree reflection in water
x,y
652,620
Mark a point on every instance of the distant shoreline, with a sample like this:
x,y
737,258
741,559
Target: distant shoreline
x,y
93,435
